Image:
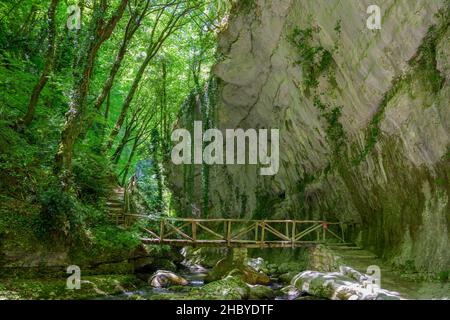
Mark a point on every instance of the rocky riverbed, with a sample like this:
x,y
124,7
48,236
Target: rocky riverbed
x,y
235,277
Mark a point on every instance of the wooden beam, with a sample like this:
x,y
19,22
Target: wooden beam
x,y
307,231
161,230
290,238
229,232
177,230
274,231
293,234
241,233
152,233
263,227
210,231
194,231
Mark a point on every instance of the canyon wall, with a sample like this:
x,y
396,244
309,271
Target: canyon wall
x,y
363,115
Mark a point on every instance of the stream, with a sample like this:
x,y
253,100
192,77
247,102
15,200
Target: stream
x,y
195,279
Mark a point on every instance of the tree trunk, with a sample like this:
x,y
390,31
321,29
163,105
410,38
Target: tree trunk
x,y
76,114
152,50
116,156
127,103
130,30
50,57
108,105
130,158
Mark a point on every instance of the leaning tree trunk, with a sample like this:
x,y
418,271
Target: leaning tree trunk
x,y
152,50
50,59
76,114
127,103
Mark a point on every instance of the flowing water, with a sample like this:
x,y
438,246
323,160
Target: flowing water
x,y
195,279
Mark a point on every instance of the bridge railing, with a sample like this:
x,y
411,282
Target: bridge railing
x,y
242,233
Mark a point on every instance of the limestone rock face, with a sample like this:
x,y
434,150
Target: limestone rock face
x,y
368,143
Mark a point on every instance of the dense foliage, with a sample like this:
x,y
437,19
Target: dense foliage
x,y
90,91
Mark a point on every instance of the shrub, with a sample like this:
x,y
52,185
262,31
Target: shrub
x,y
91,175
60,217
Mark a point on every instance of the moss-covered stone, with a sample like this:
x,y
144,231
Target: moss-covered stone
x,y
55,288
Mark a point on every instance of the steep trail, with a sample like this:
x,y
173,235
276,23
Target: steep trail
x,y
116,204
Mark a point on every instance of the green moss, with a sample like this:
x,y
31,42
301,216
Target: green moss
x,y
422,66
266,202
51,288
335,131
444,276
230,288
314,59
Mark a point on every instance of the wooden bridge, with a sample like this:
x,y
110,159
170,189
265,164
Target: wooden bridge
x,y
242,233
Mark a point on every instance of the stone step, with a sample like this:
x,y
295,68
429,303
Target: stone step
x,y
116,196
114,204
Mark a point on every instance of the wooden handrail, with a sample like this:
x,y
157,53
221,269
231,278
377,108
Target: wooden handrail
x,y
239,232
233,220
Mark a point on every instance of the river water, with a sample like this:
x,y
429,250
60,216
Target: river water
x,y
195,279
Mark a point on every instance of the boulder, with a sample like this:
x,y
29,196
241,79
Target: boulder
x,y
234,264
287,267
287,277
229,288
291,291
341,286
164,278
258,292
258,264
251,276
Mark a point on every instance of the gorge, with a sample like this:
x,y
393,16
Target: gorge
x,y
271,112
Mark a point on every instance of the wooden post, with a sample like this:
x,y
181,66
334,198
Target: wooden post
x,y
287,229
194,231
342,232
293,234
161,231
263,227
256,231
229,233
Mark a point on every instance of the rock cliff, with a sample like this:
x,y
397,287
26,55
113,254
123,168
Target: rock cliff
x,y
364,121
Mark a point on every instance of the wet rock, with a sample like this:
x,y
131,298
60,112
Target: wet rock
x,y
234,264
272,268
287,267
346,285
258,264
287,277
258,292
251,276
207,257
144,264
291,291
229,288
164,278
